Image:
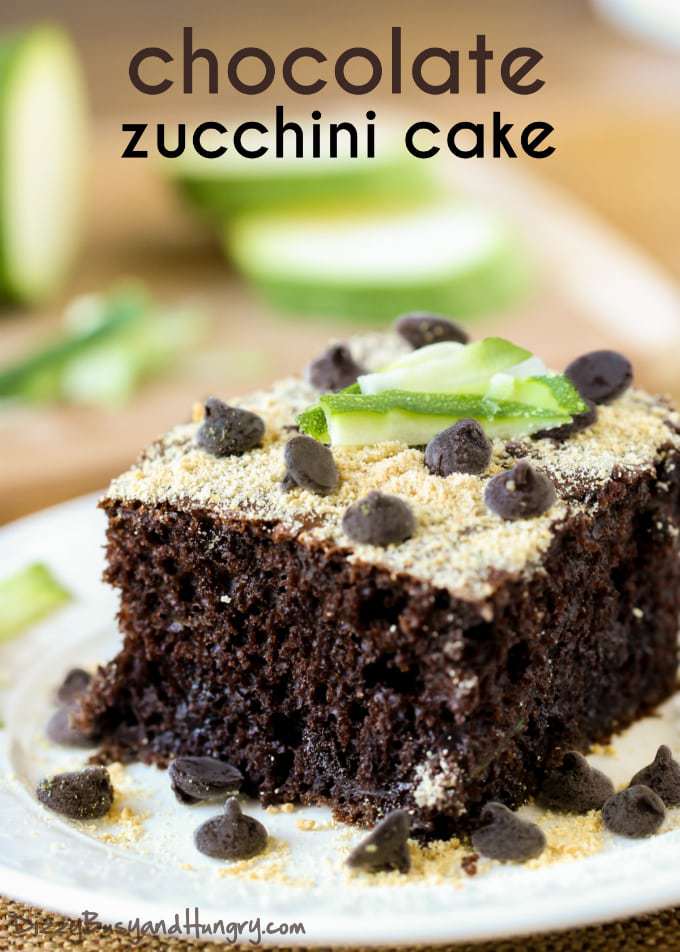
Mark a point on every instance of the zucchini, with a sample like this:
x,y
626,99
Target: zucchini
x,y
42,152
344,419
38,376
26,597
502,386
232,185
447,367
369,266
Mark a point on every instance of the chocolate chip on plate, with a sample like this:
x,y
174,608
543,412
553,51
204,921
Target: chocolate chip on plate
x,y
83,795
580,422
379,519
334,370
310,464
461,448
202,778
74,684
61,730
228,431
386,848
635,812
662,776
520,493
420,329
601,375
506,837
232,835
574,786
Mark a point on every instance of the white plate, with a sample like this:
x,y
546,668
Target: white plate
x,y
69,868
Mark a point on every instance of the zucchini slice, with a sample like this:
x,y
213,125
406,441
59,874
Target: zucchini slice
x,y
233,185
28,596
42,153
39,376
450,259
348,419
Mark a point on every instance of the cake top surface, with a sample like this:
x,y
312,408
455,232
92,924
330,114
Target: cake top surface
x,y
459,544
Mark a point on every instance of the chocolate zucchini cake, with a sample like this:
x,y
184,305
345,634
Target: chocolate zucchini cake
x,y
353,619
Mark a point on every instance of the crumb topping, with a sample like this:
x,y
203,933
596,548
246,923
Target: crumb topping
x,y
436,783
459,544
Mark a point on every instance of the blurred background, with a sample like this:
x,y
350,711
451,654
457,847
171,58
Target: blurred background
x,y
132,288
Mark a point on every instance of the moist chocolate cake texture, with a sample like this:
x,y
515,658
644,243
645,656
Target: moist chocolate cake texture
x,y
433,675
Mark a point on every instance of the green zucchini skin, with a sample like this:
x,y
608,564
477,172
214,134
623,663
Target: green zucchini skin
x,y
15,48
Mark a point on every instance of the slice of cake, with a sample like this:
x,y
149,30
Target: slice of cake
x,y
373,625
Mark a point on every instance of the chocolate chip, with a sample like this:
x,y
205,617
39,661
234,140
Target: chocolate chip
x,y
202,778
634,812
84,795
228,431
379,519
334,370
74,684
580,422
231,835
662,776
310,464
386,848
506,837
520,493
61,730
601,375
420,329
575,786
461,448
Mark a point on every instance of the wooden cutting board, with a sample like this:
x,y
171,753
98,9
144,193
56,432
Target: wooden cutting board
x,y
594,290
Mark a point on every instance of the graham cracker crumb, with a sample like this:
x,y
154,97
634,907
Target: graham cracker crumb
x,y
570,837
436,782
268,866
128,822
129,825
118,774
436,863
275,808
603,750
